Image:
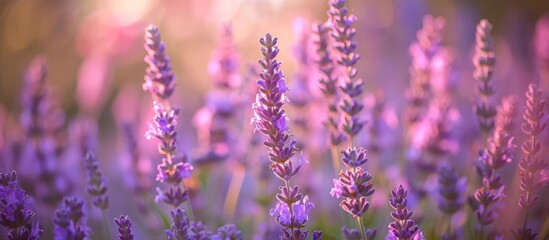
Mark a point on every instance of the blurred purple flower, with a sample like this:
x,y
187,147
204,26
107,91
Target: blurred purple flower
x,y
228,232
97,182
484,61
329,82
69,220
531,165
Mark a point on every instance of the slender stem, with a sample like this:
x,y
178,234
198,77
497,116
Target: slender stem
x,y
234,192
157,210
361,227
481,232
449,229
188,205
106,225
335,159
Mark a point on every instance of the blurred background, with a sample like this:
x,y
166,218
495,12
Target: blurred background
x,y
94,50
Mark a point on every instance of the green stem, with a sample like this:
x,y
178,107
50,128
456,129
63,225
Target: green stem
x,y
157,210
335,159
233,192
188,205
361,227
106,224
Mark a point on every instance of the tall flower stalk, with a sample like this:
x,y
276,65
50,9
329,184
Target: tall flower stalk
x,y
70,221
160,82
428,44
531,164
343,33
403,228
330,89
353,183
97,187
484,61
291,210
497,154
452,189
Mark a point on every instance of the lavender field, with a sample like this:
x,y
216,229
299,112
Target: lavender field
x,y
274,119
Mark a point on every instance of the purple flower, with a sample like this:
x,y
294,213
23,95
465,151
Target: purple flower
x,y
329,82
97,183
354,157
223,66
15,213
159,80
124,228
174,173
403,228
343,33
531,165
271,120
300,210
484,61
180,225
452,189
428,44
228,232
69,220
352,183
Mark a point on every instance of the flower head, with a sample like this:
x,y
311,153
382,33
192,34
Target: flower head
x,y
124,228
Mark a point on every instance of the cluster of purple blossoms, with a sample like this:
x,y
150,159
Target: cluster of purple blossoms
x,y
452,190
161,83
403,228
497,154
484,61
214,122
329,81
343,33
159,79
531,165
15,212
124,228
43,120
271,120
353,184
184,229
97,183
69,220
428,44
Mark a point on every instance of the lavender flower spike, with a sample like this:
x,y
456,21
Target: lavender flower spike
x,y
15,213
343,33
159,80
271,120
329,82
484,61
124,228
97,183
69,220
403,228
228,232
531,165
161,84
